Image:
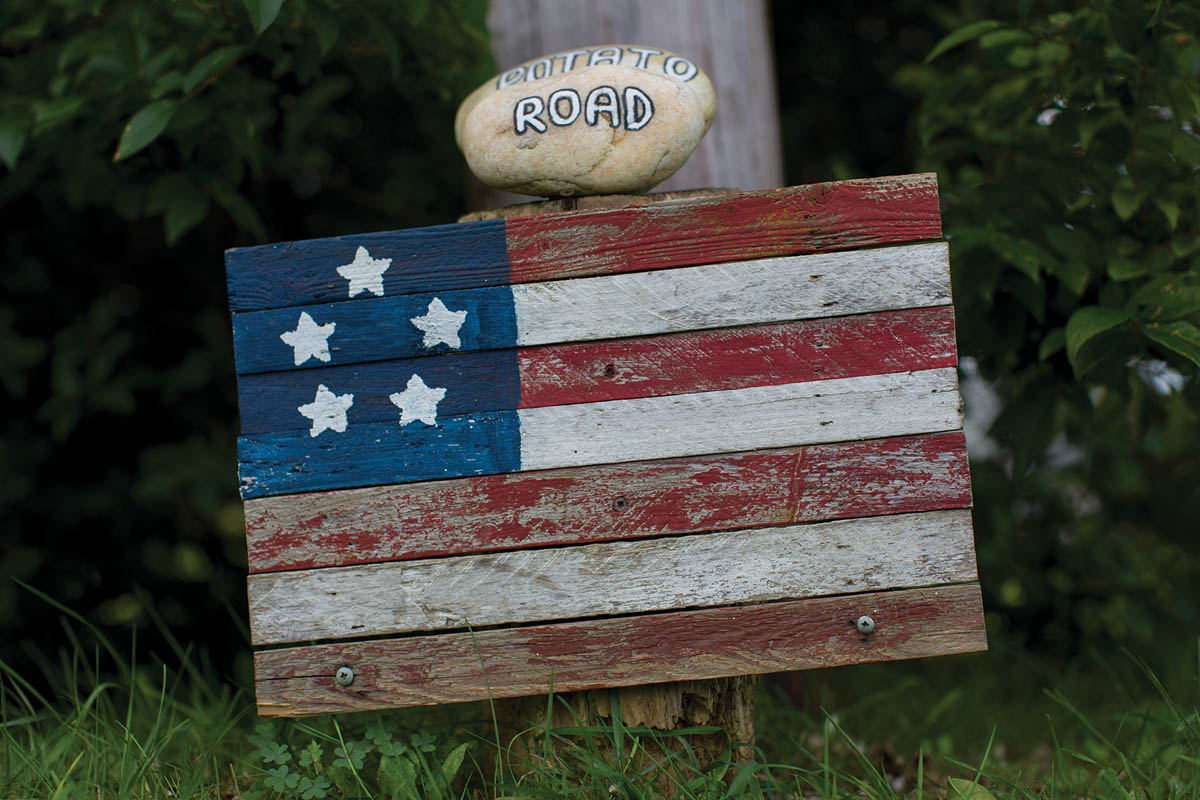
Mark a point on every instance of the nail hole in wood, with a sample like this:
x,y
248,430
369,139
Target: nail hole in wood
x,y
610,370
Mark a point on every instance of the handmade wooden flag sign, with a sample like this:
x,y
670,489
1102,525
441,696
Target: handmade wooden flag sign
x,y
690,440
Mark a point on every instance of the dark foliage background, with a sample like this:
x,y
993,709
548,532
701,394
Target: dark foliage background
x,y
118,488
139,140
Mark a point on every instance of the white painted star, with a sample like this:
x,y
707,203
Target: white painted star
x,y
418,402
327,410
309,340
440,324
365,273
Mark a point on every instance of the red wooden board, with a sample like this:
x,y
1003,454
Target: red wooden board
x,y
608,502
565,657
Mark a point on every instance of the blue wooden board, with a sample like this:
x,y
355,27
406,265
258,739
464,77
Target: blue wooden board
x,y
486,381
374,329
380,452
433,259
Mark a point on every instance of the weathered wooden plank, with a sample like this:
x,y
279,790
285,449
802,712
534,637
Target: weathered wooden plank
x,y
740,293
804,219
483,381
608,502
608,579
573,656
443,258
375,329
612,431
605,307
433,259
865,407
681,363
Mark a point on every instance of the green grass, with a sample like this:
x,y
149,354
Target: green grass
x,y
112,727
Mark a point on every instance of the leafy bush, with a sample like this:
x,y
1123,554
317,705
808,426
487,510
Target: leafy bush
x,y
1067,142
139,140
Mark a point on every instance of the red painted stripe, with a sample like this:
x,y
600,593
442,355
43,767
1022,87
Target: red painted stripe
x,y
736,358
609,502
806,219
626,651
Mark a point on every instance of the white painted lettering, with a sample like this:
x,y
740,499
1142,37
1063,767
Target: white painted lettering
x,y
510,77
639,108
525,115
672,67
606,55
571,98
644,55
532,75
602,100
568,59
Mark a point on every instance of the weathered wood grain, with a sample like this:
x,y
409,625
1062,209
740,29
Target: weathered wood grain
x,y
608,579
608,502
681,363
725,295
865,407
734,358
805,219
612,306
792,221
573,656
612,431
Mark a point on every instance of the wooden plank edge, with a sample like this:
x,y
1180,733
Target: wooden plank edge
x,y
627,651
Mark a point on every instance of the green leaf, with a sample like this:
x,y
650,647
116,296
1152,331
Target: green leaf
x,y
12,140
1088,322
144,127
243,213
1126,200
1179,336
1021,253
1052,342
453,761
963,789
1173,301
1170,211
262,13
1093,122
1051,53
185,210
166,83
1003,37
1121,268
961,36
211,64
1075,274
54,113
324,22
396,775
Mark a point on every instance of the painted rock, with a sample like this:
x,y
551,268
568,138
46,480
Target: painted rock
x,y
597,120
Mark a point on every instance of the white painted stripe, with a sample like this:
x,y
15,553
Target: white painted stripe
x,y
867,407
737,293
796,561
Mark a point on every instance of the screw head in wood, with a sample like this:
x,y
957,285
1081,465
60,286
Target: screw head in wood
x,y
864,624
344,676
619,503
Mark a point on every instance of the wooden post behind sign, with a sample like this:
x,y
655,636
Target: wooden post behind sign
x,y
727,703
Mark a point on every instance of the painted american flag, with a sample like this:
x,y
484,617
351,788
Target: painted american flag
x,y
583,448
